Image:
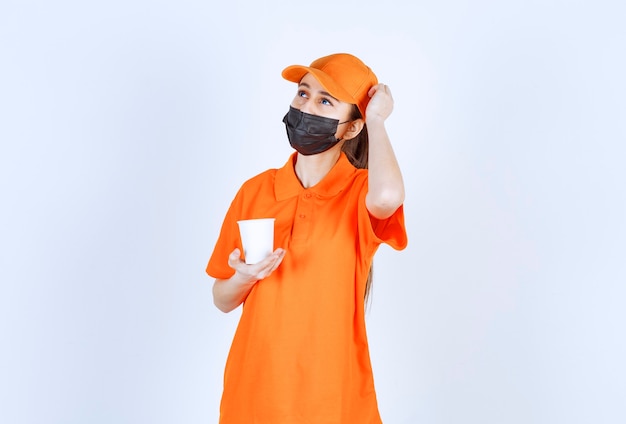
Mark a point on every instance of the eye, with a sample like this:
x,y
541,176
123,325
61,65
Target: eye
x,y
301,93
326,102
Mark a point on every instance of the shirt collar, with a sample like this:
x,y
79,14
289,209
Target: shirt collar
x,y
287,185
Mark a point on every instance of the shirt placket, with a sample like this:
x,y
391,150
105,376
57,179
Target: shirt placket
x,y
303,219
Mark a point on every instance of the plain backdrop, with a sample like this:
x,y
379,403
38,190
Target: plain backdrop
x,y
127,126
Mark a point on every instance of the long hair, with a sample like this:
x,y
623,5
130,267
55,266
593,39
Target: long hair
x,y
357,150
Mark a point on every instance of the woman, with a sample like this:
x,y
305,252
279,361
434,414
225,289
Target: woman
x,y
300,352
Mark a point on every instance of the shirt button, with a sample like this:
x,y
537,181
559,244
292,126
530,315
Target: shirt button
x,y
308,195
302,215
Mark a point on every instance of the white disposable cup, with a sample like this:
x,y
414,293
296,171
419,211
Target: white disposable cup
x,y
257,238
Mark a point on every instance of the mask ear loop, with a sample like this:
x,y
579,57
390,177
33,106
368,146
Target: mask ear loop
x,y
344,122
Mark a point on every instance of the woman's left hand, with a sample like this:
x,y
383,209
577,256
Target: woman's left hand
x,y
380,105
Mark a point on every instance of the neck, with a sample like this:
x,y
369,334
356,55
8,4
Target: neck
x,y
312,169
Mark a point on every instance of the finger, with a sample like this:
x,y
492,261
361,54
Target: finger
x,y
270,264
234,258
256,269
278,260
277,263
388,91
270,259
275,259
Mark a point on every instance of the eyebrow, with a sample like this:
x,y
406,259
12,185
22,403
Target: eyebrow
x,y
324,93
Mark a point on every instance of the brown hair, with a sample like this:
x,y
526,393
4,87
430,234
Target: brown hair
x,y
357,150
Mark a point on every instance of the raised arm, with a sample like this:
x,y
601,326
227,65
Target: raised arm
x,y
386,187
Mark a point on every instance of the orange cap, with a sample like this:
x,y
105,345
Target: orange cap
x,y
344,76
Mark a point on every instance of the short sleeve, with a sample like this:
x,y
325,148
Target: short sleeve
x,y
391,230
227,241
375,231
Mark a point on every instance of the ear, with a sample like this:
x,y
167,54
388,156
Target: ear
x,y
354,128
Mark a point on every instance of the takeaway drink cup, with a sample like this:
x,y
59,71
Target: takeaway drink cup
x,y
257,237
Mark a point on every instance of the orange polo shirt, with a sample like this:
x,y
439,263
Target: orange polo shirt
x,y
300,352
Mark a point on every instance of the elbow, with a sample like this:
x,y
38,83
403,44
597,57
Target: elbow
x,y
226,308
220,306
384,204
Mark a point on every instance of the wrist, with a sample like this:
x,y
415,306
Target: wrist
x,y
244,279
374,121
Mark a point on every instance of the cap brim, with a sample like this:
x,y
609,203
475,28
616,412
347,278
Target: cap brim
x,y
295,73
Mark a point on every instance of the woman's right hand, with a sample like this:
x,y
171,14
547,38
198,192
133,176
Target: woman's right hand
x,y
251,273
230,293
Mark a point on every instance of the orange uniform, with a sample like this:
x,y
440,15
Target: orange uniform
x,y
300,352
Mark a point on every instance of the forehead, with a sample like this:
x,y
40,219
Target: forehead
x,y
312,82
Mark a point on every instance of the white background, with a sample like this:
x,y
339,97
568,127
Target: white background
x,y
127,126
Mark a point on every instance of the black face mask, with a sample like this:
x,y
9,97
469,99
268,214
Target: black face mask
x,y
310,134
